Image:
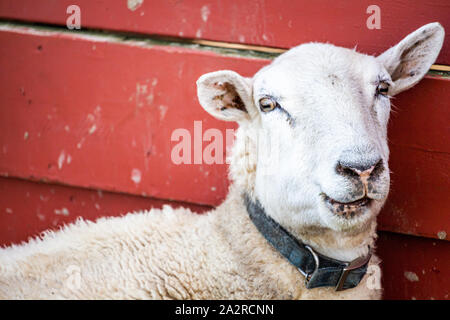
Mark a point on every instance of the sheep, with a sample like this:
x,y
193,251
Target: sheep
x,y
309,166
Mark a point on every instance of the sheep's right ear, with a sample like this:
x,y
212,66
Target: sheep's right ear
x,y
226,95
410,59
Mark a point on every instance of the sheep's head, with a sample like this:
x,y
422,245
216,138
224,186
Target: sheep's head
x,y
312,143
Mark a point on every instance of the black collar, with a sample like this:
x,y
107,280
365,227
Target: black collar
x,y
319,271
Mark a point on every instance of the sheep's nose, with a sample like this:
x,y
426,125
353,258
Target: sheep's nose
x,y
363,170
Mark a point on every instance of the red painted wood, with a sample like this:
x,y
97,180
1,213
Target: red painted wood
x,y
419,136
275,23
414,267
28,208
112,108
75,111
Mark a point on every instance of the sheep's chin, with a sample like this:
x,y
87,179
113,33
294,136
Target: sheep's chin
x,y
348,210
339,222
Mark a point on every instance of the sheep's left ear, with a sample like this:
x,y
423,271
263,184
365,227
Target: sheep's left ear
x,y
226,95
411,58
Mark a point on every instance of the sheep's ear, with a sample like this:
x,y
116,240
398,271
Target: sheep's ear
x,y
226,95
411,58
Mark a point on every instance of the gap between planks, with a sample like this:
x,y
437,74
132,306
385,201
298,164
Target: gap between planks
x,y
238,48
274,50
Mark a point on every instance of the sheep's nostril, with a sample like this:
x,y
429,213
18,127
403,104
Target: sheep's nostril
x,y
360,170
378,169
346,171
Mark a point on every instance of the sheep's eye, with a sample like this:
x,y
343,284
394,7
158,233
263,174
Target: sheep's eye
x,y
267,104
383,88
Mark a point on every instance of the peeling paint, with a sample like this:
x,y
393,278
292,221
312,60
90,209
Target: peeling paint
x,y
61,158
162,112
90,117
63,211
442,235
133,5
80,144
9,210
40,217
26,135
150,98
67,128
100,193
198,34
411,276
144,93
97,206
69,159
213,188
205,13
92,129
136,176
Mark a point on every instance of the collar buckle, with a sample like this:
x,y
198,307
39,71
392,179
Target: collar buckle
x,y
355,264
308,276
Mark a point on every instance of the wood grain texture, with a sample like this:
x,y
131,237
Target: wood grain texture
x,y
274,23
419,133
91,114
413,267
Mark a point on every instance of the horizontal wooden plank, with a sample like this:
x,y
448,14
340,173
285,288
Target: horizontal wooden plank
x,y
99,113
413,267
419,135
28,208
275,23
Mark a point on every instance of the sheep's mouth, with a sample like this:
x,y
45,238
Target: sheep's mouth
x,y
348,209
